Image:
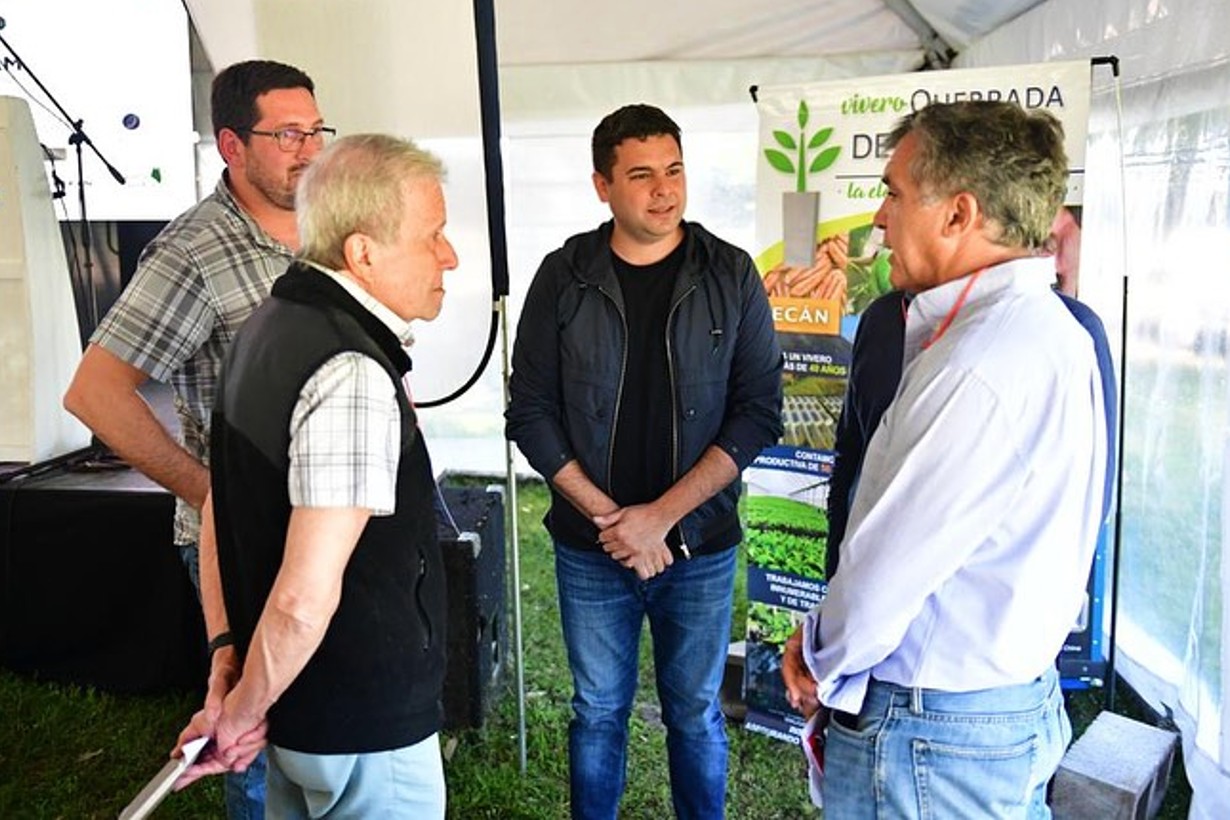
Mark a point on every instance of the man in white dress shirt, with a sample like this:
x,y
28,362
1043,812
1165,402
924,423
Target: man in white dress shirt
x,y
976,518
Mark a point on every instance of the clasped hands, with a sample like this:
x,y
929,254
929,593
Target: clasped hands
x,y
236,739
635,536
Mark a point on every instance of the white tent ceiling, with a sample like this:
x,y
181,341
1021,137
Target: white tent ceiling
x,y
536,32
547,32
366,53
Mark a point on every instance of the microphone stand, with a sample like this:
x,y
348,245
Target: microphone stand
x,y
78,139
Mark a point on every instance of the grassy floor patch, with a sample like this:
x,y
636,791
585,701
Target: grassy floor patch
x,y
68,752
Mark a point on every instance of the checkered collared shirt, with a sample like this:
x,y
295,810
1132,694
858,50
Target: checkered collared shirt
x,y
345,430
196,283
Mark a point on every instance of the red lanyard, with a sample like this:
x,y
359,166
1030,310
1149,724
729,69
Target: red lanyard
x,y
953,311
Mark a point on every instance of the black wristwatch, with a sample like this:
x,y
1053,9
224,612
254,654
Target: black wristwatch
x,y
223,639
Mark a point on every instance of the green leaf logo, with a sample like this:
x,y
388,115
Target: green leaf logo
x,y
785,140
800,148
779,161
824,159
819,138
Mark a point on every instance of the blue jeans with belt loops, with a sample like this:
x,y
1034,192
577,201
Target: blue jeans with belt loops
x,y
602,608
921,753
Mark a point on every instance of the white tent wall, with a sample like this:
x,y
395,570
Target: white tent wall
x,y
410,69
546,93
1163,221
128,86
544,32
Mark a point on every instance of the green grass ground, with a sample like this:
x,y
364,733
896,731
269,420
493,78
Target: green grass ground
x,y
67,752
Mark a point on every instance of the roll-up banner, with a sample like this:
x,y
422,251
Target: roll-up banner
x,y
818,185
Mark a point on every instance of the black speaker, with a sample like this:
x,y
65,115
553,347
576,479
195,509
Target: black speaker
x,y
92,591
472,538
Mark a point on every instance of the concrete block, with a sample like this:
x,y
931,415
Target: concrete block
x,y
1119,768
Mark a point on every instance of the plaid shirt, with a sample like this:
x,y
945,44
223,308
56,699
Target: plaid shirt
x,y
196,283
345,431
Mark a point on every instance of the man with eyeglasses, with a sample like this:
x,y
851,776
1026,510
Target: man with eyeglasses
x,y
195,284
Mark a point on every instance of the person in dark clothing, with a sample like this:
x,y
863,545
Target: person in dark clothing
x,y
319,532
875,370
646,376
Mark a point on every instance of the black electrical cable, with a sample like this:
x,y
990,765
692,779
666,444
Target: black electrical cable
x,y
478,371
493,165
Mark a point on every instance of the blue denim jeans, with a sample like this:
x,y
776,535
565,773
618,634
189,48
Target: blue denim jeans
x,y
920,753
244,792
602,608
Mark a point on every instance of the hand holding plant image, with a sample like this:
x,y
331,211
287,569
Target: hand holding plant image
x,y
768,627
771,624
867,268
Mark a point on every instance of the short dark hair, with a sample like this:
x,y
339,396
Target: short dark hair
x,y
639,121
1011,159
234,92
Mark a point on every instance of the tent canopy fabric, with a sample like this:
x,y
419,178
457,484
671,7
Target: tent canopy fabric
x,y
538,32
542,32
364,53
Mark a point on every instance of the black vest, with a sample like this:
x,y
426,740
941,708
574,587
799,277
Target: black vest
x,y
375,682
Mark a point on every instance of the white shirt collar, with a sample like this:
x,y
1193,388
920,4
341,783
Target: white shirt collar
x,y
1024,274
399,326
929,309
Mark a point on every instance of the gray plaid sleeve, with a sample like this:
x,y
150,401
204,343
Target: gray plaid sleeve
x,y
162,318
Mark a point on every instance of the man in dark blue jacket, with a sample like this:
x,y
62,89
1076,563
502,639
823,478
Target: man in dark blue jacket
x,y
646,377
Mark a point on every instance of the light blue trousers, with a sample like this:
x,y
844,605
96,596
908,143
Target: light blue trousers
x,y
400,783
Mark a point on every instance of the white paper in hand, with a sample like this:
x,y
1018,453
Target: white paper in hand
x,y
158,788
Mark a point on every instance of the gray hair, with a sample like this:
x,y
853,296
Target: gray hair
x,y
357,185
1010,159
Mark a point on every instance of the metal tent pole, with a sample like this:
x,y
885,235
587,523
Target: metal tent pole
x,y
511,494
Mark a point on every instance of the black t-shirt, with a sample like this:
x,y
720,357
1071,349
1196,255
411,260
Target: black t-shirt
x,y
641,466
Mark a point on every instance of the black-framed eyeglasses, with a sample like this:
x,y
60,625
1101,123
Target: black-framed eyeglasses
x,y
292,139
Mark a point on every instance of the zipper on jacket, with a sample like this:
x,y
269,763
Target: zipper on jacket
x,y
418,600
619,391
670,370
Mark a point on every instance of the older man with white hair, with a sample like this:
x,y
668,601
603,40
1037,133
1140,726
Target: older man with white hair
x,y
320,532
